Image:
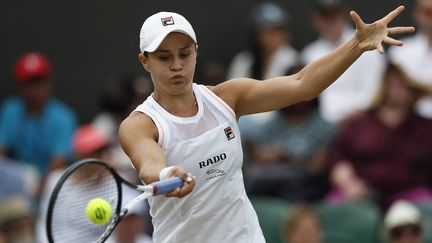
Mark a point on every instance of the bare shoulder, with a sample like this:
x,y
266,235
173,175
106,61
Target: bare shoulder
x,y
230,91
138,124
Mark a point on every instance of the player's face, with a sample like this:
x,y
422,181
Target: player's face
x,y
172,65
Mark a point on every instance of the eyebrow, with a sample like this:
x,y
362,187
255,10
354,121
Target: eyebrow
x,y
181,49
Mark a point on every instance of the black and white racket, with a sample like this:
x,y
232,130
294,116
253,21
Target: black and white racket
x,y
83,181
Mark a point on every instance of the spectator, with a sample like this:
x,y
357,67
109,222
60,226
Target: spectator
x,y
303,226
16,220
35,127
212,72
16,178
269,56
385,152
90,142
403,223
292,149
354,90
416,56
118,98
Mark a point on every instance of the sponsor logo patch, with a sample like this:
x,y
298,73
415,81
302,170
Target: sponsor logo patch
x,y
214,173
167,21
229,133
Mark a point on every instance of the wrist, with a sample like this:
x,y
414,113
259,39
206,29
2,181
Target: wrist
x,y
356,46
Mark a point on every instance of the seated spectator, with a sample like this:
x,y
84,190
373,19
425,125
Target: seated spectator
x,y
90,142
416,56
385,152
403,223
17,178
354,89
303,226
16,220
118,99
270,54
35,127
292,149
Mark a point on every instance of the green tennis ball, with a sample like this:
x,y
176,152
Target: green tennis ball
x,y
98,211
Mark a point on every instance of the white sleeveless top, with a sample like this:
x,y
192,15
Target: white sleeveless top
x,y
208,145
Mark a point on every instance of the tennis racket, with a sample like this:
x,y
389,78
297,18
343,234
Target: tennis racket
x,y
85,180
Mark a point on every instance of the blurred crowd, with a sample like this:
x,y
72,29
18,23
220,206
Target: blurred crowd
x,y
366,140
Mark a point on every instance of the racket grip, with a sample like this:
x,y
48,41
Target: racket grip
x,y
167,185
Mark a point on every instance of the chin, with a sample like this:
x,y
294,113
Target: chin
x,y
181,87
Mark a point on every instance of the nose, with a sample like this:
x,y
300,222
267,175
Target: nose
x,y
177,64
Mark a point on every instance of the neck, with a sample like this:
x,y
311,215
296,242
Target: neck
x,y
34,108
183,105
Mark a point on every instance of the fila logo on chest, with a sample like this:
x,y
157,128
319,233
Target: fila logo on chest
x,y
229,133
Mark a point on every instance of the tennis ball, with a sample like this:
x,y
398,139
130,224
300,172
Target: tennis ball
x,y
98,211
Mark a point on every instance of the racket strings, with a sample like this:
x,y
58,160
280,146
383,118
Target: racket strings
x,y
69,219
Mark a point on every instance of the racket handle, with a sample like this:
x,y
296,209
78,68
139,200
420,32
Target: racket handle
x,y
167,185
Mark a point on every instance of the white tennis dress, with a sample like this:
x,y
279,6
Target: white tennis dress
x,y
207,145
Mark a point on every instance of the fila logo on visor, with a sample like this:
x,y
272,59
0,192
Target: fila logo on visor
x,y
167,21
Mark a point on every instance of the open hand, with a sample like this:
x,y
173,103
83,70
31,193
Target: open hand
x,y
372,36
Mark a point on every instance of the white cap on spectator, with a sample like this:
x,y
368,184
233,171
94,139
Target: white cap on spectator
x,y
402,213
159,25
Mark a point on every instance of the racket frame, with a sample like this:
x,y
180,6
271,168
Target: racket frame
x,y
148,190
69,171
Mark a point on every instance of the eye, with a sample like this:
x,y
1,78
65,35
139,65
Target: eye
x,y
163,58
184,54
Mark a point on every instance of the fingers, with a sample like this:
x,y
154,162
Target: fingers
x,y
189,182
357,20
380,48
390,16
391,41
187,187
400,30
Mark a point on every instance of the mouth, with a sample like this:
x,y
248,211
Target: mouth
x,y
178,78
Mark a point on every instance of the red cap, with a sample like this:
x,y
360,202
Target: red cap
x,y
31,66
89,139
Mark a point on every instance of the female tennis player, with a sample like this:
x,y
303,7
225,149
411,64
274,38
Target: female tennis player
x,y
184,127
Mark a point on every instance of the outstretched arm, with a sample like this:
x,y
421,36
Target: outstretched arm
x,y
248,96
138,137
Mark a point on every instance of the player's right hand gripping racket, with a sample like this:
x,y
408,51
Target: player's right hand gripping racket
x,y
85,180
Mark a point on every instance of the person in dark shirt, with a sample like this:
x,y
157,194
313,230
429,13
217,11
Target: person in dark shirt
x,y
385,151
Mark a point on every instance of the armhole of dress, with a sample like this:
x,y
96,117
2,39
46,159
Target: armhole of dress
x,y
161,134
220,102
